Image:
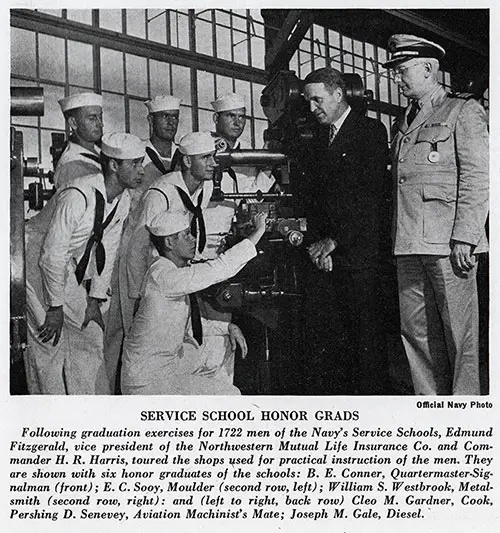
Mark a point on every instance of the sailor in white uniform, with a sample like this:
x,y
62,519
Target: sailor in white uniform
x,y
164,350
71,246
83,113
163,118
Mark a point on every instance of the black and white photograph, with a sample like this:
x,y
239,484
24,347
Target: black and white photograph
x,y
249,267
356,140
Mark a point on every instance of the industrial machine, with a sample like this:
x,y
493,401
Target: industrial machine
x,y
268,290
275,274
25,101
270,287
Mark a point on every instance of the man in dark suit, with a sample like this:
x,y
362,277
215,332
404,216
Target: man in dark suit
x,y
343,205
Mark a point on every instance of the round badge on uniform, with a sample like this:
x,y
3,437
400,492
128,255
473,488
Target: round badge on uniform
x,y
221,145
434,157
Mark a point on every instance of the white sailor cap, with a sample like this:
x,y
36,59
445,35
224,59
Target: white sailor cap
x,y
80,100
122,146
169,223
163,103
227,102
403,47
199,142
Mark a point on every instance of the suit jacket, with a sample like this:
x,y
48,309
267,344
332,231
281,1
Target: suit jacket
x,y
440,171
345,189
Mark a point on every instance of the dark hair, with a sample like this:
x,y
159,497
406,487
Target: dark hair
x,y
330,77
159,243
70,113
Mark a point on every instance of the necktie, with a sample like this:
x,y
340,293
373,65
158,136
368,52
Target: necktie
x,y
197,222
95,238
196,318
414,109
331,134
157,162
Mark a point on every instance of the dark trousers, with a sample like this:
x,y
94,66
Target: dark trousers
x,y
345,351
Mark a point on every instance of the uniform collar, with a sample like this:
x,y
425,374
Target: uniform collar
x,y
167,264
175,178
149,144
81,149
434,98
427,106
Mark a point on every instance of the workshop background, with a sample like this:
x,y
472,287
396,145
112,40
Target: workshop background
x,y
130,55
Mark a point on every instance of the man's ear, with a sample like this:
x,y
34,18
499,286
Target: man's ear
x,y
113,165
168,240
427,69
216,118
72,123
187,161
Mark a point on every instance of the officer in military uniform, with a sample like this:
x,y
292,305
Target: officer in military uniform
x,y
440,170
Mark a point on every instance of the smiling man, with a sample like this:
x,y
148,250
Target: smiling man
x,y
71,247
83,114
343,204
440,174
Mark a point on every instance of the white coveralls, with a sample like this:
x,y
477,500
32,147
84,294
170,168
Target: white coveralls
x,y
55,241
160,355
75,162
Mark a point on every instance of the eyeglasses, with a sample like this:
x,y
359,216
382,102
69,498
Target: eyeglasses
x,y
401,71
170,117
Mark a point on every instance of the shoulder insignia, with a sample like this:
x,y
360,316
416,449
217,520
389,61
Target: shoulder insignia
x,y
462,96
221,145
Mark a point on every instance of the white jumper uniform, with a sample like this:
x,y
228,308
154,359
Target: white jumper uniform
x,y
161,196
121,308
75,162
136,255
160,355
151,173
55,241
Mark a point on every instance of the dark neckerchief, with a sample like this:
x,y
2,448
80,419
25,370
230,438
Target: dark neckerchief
x,y
197,222
196,318
93,157
95,238
157,162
